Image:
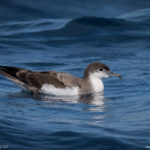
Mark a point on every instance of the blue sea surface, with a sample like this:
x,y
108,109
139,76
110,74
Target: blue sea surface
x,y
118,120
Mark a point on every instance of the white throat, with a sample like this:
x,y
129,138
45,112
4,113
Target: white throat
x,y
97,84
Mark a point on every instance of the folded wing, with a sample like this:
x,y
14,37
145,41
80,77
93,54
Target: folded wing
x,y
33,80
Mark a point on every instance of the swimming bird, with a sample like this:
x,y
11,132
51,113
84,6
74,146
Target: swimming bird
x,y
59,83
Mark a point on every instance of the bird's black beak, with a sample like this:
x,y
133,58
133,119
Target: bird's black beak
x,y
111,74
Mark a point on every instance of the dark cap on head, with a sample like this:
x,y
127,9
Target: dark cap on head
x,y
93,67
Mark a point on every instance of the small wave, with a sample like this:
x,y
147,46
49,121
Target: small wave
x,y
87,27
79,26
70,140
57,32
97,22
31,26
137,15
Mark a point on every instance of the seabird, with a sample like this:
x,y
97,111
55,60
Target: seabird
x,y
59,83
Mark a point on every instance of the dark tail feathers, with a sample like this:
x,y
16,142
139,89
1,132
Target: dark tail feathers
x,y
9,70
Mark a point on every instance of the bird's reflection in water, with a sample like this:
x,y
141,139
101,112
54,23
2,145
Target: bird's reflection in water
x,y
95,101
92,99
91,104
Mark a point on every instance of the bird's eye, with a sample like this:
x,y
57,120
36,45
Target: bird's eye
x,y
100,69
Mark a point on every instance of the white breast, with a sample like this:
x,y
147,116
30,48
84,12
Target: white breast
x,y
97,84
52,90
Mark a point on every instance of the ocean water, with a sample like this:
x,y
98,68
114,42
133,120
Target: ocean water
x,y
118,120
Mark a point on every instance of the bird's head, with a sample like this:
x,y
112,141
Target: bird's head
x,y
100,71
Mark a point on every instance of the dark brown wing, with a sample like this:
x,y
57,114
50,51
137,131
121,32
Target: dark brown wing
x,y
61,79
33,80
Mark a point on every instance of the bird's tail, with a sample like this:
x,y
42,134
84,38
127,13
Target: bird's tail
x,y
11,74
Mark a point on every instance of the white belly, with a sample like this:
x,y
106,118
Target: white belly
x,y
52,90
